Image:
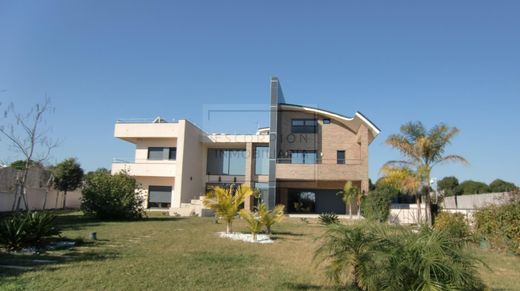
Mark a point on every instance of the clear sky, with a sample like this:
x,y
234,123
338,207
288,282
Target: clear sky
x,y
456,62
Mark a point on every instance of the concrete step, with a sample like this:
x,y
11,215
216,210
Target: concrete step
x,y
196,202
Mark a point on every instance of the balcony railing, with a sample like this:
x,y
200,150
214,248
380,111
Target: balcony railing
x,y
317,161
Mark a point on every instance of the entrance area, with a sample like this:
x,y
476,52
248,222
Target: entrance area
x,y
314,201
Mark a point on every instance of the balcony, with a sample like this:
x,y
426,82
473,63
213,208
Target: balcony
x,y
144,168
321,170
131,130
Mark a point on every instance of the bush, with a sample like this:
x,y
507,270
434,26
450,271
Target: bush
x,y
501,186
452,223
500,225
383,257
328,218
27,229
473,187
111,196
376,205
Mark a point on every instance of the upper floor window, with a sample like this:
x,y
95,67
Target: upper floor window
x,y
162,153
340,157
226,162
303,125
303,157
326,121
262,160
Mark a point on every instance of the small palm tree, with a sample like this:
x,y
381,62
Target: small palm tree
x,y
254,221
423,149
350,252
226,202
269,218
349,194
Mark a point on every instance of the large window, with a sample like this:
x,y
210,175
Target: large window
x,y
230,162
162,153
303,157
303,125
340,157
262,160
159,196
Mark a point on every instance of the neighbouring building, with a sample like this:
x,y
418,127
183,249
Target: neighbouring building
x,y
302,160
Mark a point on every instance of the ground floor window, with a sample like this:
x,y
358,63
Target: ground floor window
x,y
302,201
159,196
314,201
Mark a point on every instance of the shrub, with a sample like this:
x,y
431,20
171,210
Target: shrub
x,y
254,221
328,218
112,196
382,257
501,186
500,225
376,205
452,223
225,202
269,218
27,229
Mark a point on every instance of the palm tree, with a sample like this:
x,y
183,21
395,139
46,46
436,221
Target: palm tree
x,y
405,180
226,202
269,218
350,252
423,149
349,194
254,221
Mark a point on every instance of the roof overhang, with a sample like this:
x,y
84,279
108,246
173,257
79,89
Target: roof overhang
x,y
351,122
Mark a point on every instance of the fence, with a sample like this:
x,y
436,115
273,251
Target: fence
x,y
36,199
405,213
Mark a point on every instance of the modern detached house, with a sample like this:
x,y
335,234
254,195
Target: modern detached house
x,y
302,160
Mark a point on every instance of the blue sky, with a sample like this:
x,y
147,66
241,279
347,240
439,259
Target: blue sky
x,y
456,62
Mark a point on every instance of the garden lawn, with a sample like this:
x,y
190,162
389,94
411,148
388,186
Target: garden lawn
x,y
186,253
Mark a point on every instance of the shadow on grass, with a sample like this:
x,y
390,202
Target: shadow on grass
x,y
300,286
78,221
14,264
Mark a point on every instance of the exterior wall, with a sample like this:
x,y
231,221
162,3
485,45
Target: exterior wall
x,y
298,141
142,145
189,164
130,131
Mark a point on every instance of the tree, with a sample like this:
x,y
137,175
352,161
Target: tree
x,y
254,221
20,164
423,149
473,187
349,253
401,179
269,218
376,205
226,202
349,194
449,186
502,186
68,176
29,139
116,196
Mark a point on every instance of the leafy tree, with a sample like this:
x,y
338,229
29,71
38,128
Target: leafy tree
x,y
449,186
226,202
349,194
112,196
269,218
501,186
68,176
473,187
20,164
423,149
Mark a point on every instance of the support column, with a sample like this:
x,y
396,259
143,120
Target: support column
x,y
249,173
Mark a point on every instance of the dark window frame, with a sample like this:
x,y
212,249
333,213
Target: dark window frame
x,y
159,205
339,160
304,125
165,153
304,152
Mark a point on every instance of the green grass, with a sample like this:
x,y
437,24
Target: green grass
x,y
186,254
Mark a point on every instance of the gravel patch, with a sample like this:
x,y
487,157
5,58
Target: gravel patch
x,y
260,238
